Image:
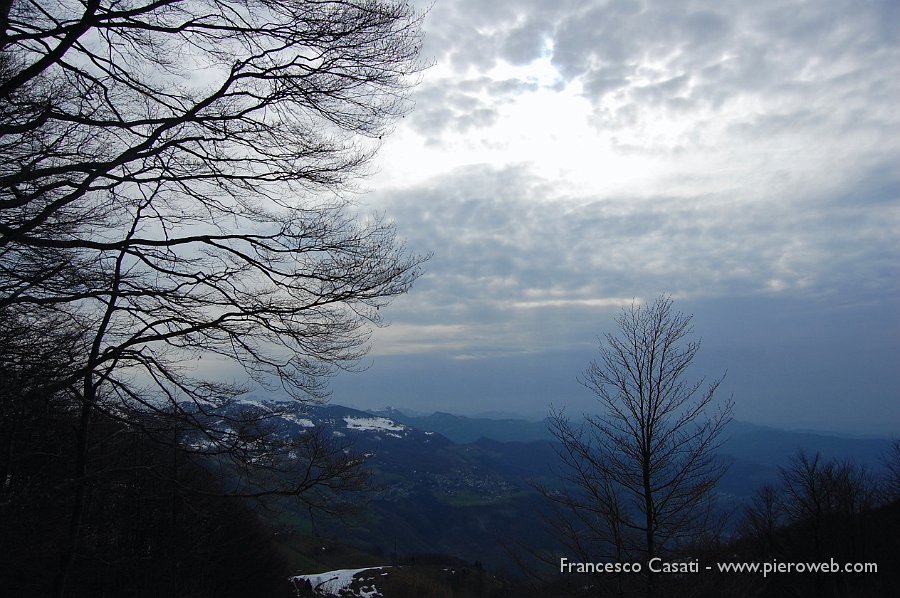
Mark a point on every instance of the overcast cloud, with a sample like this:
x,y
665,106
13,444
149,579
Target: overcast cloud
x,y
564,158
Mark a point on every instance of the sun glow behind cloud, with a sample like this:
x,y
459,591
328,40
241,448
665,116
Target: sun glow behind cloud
x,y
550,130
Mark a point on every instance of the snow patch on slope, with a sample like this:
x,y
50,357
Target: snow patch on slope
x,y
336,582
381,424
303,422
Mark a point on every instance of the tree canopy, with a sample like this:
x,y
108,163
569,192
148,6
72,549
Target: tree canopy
x,y
174,183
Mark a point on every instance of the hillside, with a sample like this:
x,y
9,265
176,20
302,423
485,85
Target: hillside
x,y
471,500
431,494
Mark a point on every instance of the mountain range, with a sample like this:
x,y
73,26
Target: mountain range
x,y
461,486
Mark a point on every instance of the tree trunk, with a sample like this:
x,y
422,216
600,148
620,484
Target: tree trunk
x,y
80,472
649,521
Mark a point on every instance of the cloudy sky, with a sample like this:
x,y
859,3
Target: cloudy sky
x,y
564,158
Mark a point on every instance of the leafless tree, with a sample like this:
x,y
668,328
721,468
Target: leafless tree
x,y
646,466
825,493
807,483
36,351
157,170
586,512
762,517
892,473
171,184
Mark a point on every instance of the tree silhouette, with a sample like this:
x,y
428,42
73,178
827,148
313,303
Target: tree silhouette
x,y
171,184
892,474
643,471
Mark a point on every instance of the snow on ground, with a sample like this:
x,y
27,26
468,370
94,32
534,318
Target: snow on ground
x,y
373,423
300,421
334,582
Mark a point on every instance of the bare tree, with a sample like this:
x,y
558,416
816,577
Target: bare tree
x,y
36,351
892,473
158,164
762,517
171,183
826,495
586,512
646,466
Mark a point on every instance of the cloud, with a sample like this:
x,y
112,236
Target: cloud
x,y
476,34
753,69
567,157
508,252
467,105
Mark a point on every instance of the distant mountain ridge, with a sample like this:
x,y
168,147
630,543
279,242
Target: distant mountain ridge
x,y
461,429
458,485
769,445
753,442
